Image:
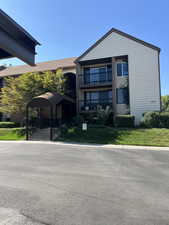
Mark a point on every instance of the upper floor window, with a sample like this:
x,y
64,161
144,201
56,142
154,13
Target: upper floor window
x,y
122,69
98,74
122,96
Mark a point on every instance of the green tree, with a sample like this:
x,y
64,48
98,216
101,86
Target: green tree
x,y
165,102
19,91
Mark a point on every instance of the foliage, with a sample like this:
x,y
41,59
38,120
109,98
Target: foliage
x,y
19,91
8,124
104,116
124,121
165,103
100,117
12,133
77,120
156,120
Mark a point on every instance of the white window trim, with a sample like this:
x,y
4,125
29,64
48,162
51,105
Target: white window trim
x,y
122,69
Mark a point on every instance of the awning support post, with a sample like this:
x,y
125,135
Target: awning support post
x,y
27,123
51,123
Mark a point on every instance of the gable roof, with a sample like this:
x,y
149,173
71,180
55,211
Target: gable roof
x,y
122,34
39,67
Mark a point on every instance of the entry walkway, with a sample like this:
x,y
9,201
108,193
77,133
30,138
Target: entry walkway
x,y
41,135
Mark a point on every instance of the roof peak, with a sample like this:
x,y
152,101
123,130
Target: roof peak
x,y
122,34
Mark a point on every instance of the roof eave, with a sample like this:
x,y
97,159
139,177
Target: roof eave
x,y
21,29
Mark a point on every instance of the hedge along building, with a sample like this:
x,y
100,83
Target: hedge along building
x,y
119,71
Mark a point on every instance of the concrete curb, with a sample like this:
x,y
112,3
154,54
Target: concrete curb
x,y
107,146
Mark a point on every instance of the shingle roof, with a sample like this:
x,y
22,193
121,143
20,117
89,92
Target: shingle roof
x,y
52,98
39,67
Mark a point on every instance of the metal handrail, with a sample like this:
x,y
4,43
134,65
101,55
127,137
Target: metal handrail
x,y
94,103
95,78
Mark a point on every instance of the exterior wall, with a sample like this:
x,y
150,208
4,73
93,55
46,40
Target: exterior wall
x,y
144,88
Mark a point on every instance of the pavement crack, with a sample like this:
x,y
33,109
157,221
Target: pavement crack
x,y
35,220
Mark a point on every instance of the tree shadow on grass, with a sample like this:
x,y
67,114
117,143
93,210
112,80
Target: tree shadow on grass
x,y
98,135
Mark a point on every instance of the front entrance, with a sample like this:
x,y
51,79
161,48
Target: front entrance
x,y
45,113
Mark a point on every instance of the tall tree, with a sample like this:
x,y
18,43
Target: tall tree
x,y
165,102
19,91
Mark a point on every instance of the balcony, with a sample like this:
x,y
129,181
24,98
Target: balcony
x,y
92,105
95,79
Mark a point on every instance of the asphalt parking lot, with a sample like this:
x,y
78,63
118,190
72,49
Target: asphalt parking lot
x,y
55,184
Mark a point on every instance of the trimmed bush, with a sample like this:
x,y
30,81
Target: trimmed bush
x,y
150,119
110,120
156,120
124,121
8,125
77,120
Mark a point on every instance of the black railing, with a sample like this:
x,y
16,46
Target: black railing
x,y
92,105
95,78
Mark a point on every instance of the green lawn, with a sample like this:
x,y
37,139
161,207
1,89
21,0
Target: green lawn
x,y
108,135
12,134
102,135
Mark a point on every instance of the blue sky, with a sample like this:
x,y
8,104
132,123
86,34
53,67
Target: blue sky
x,y
66,28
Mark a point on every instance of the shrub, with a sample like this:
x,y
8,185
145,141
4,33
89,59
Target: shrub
x,y
150,119
77,120
104,116
63,129
100,117
156,120
89,118
110,120
124,121
8,124
164,120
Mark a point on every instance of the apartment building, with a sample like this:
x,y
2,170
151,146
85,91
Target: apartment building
x,y
119,71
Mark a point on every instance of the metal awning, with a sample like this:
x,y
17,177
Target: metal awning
x,y
15,41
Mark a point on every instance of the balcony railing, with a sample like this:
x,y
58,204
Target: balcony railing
x,y
95,79
93,105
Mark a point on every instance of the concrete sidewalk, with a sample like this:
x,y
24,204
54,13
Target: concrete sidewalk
x,y
107,146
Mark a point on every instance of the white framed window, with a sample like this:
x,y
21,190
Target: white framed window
x,y
122,69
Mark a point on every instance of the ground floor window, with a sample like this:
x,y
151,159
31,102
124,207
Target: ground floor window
x,y
98,96
122,96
